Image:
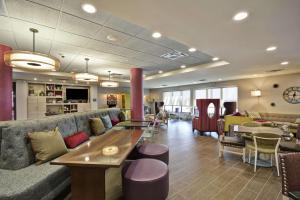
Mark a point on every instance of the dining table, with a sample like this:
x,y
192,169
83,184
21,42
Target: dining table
x,y
285,145
89,161
134,124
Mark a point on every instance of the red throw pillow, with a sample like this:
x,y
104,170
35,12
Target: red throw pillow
x,y
114,121
76,139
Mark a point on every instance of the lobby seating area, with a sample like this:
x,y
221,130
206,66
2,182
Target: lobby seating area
x,y
149,100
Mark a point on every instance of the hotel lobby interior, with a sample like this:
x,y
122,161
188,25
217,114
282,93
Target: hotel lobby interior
x,y
149,100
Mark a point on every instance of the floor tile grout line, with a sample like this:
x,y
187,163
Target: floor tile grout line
x,y
228,183
263,186
245,186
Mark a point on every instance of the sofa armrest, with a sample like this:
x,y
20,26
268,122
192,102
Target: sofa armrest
x,y
229,119
289,164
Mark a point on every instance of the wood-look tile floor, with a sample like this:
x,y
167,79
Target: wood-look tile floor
x,y
196,171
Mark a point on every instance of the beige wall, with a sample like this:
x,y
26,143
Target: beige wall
x,y
246,102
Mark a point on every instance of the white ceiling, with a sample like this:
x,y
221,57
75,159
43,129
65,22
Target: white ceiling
x,y
208,26
64,29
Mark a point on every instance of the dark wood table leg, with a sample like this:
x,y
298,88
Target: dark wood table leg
x,y
87,183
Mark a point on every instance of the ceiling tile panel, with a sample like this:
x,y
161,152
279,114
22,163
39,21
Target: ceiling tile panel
x,y
72,39
6,38
78,26
5,24
56,4
32,12
74,7
105,33
123,26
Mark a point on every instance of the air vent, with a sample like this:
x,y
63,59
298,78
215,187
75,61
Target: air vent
x,y
202,80
275,70
174,55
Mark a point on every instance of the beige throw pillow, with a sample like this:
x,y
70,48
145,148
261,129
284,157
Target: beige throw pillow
x,y
97,126
254,115
47,145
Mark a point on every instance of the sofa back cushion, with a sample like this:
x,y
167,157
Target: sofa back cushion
x,y
278,117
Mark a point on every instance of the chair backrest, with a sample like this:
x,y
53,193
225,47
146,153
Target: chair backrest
x,y
270,140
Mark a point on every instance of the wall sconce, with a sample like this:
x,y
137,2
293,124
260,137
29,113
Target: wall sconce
x,y
256,93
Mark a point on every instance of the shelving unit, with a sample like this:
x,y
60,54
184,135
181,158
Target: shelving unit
x,y
48,99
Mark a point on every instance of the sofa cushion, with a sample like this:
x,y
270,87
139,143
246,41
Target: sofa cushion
x,y
82,120
106,121
34,182
47,145
73,141
122,116
97,126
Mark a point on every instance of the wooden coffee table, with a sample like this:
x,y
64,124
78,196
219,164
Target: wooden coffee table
x,y
89,162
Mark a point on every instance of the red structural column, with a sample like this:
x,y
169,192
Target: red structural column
x,y
136,93
5,87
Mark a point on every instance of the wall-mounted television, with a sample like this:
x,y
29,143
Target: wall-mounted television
x,y
77,94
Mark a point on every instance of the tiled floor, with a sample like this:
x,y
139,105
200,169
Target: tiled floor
x,y
196,172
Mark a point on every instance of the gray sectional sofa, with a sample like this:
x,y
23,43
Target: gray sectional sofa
x,y
20,178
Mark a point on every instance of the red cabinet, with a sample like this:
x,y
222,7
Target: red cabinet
x,y
209,113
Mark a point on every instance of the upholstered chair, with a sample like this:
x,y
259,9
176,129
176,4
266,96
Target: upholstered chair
x,y
289,164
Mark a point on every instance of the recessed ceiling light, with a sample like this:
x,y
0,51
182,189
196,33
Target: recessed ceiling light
x,y
284,63
160,71
240,16
111,38
35,78
156,35
182,66
192,49
220,79
215,58
195,82
50,80
89,8
271,48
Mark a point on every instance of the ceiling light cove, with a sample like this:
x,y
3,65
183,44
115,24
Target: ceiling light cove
x,y
215,59
284,63
182,66
271,48
160,71
89,8
192,49
240,16
156,35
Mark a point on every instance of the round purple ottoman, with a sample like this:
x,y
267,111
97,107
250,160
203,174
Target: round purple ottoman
x,y
155,151
145,179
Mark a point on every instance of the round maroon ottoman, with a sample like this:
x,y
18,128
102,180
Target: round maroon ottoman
x,y
155,151
145,179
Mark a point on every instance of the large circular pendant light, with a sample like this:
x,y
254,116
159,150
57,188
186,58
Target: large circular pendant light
x,y
87,77
109,83
31,60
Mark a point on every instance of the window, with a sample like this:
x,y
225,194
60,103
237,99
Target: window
x,y
224,94
177,101
214,93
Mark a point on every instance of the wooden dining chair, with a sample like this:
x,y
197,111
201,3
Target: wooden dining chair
x,y
267,143
231,141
